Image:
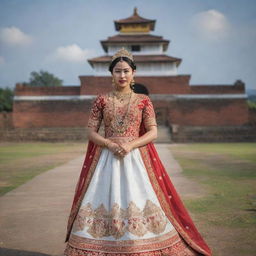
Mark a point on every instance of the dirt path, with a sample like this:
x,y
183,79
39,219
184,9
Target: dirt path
x,y
33,217
186,188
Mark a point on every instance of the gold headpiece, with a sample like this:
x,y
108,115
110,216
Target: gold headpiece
x,y
122,53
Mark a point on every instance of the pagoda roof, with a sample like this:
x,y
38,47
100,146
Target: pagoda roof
x,y
134,19
132,38
138,59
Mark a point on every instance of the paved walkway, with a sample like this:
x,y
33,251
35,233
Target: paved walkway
x,y
33,217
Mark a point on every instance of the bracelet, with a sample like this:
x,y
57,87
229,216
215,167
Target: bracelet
x,y
106,143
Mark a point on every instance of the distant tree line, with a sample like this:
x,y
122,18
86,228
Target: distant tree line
x,y
41,78
6,99
251,104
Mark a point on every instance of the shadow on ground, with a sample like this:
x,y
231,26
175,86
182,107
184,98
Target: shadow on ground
x,y
13,252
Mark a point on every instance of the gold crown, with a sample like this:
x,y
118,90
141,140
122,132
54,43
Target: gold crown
x,y
122,53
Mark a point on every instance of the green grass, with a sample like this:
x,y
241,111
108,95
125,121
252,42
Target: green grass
x,y
228,172
20,162
244,151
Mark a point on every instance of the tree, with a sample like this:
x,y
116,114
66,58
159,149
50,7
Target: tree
x,y
43,78
6,99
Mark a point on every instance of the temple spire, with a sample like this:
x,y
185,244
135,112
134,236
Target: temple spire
x,y
135,12
135,24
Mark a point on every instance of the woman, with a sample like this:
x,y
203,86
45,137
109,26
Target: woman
x,y
125,203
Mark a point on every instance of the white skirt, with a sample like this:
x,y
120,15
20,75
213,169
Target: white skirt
x,y
120,207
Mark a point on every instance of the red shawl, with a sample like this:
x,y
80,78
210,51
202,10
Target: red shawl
x,y
165,191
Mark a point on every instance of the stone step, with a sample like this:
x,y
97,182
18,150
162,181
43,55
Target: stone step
x,y
243,133
63,134
44,134
163,134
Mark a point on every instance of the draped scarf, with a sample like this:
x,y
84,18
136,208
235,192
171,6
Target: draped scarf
x,y
168,197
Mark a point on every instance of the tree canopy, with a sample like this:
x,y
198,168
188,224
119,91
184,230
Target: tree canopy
x,y
6,99
43,78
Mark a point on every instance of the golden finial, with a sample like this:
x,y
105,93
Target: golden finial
x,y
122,53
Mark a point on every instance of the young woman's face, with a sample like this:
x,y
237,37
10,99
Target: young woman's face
x,y
122,74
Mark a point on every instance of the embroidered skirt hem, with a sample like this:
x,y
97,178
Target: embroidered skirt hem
x,y
178,250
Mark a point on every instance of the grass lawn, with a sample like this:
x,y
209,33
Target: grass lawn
x,y
226,216
19,162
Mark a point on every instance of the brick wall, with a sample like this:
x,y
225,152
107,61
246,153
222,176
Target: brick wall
x,y
74,113
209,112
6,120
236,88
24,90
160,85
182,112
252,117
51,113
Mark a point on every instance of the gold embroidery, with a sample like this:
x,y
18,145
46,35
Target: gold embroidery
x,y
95,116
137,224
168,244
99,225
156,222
117,221
117,226
142,111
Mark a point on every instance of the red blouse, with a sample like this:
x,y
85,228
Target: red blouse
x,y
139,110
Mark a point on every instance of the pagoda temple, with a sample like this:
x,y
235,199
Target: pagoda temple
x,y
188,112
149,50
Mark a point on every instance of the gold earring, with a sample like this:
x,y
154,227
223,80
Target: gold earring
x,y
132,84
113,82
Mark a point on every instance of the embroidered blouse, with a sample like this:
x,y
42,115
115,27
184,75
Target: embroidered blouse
x,y
139,110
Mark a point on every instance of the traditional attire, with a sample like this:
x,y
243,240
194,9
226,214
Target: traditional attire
x,y
128,206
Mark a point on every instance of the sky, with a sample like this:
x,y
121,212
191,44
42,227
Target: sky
x,y
216,39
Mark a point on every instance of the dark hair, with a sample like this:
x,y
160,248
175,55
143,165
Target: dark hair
x,y
127,60
140,89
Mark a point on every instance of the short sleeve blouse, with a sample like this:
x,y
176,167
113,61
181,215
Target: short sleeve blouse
x,y
148,113
96,114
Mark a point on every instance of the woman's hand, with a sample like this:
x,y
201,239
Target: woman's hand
x,y
115,148
126,148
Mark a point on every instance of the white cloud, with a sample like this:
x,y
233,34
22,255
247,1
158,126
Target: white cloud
x,y
2,60
72,53
14,36
211,24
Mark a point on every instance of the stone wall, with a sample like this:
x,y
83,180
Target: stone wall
x,y
6,120
52,134
214,134
178,134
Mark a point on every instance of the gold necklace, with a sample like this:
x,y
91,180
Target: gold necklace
x,y
120,123
122,96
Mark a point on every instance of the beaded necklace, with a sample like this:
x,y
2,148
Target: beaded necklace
x,y
120,122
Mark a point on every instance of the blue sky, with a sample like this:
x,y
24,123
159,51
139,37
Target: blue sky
x,y
216,39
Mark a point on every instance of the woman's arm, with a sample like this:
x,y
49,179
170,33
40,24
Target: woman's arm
x,y
103,142
94,121
149,136
149,120
97,138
